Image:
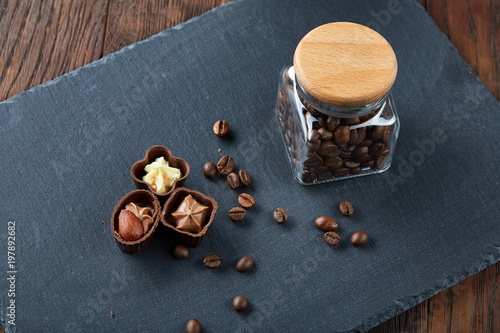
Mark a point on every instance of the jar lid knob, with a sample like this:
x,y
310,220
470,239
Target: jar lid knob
x,y
345,64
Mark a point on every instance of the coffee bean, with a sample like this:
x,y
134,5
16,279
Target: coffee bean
x,y
240,303
360,154
346,208
356,171
233,180
324,176
327,148
332,238
225,165
383,153
357,136
246,200
221,127
367,142
180,252
245,178
334,163
351,164
244,264
332,123
379,164
350,121
377,132
320,169
237,214
212,261
209,170
314,136
326,223
313,146
280,215
325,135
342,172
341,135
313,161
359,238
308,177
193,326
368,164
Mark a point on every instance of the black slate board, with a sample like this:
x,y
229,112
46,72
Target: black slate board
x,y
433,218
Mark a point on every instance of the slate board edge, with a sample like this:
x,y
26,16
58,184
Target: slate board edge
x,y
401,305
491,257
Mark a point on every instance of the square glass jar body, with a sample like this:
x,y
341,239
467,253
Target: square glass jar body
x,y
326,143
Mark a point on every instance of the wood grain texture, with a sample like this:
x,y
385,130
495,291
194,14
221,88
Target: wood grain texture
x,y
41,40
351,73
473,26
133,20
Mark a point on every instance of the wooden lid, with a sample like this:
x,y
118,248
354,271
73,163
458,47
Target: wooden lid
x,y
345,64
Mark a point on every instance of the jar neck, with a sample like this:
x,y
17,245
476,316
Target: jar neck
x,y
338,111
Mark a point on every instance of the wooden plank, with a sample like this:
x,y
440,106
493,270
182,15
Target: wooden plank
x,y
473,26
133,20
42,40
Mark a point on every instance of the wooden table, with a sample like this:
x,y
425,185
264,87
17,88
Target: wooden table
x,y
41,40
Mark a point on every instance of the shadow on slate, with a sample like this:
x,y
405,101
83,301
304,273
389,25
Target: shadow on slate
x,y
432,219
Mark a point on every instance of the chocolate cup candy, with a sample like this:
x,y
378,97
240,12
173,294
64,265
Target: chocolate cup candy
x,y
137,170
141,198
187,238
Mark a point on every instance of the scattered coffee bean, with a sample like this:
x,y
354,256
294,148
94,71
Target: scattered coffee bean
x,y
180,251
246,200
280,215
225,165
233,180
221,127
244,264
237,214
332,238
193,326
326,223
245,178
359,238
346,208
212,261
209,170
240,303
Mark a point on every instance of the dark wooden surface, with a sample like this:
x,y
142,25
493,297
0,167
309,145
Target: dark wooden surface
x,y
41,40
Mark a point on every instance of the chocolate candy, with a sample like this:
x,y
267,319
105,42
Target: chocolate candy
x,y
233,180
144,214
246,200
190,216
245,179
240,303
180,252
212,261
346,208
359,238
237,214
221,127
209,170
326,223
225,165
244,264
280,215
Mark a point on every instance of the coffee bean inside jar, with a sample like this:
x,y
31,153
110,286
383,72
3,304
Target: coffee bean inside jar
x,y
335,109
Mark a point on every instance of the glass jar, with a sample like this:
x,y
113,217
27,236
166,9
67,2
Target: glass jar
x,y
335,109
